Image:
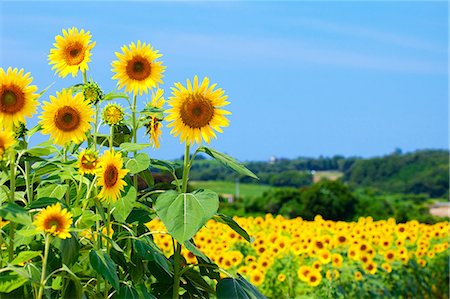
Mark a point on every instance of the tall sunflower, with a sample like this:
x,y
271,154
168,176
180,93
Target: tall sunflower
x,y
6,141
66,118
55,221
110,176
137,69
87,161
71,52
17,97
196,111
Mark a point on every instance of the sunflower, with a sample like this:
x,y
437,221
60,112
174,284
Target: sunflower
x,y
137,69
66,118
196,111
154,119
17,97
281,277
6,141
314,278
55,221
72,52
110,175
87,161
113,114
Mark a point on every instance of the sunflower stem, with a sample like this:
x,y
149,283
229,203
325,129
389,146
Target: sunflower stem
x,y
12,189
44,267
96,126
84,77
111,137
27,176
177,246
68,180
135,128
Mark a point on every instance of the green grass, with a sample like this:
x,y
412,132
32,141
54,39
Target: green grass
x,y
224,187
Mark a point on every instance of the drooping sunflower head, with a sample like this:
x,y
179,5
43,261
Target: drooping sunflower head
x,y
66,118
17,97
137,69
110,176
196,111
55,221
87,161
71,52
6,141
154,120
92,92
113,114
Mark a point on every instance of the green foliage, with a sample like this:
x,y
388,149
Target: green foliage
x,y
419,172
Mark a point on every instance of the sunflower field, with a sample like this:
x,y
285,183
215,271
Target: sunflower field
x,y
82,217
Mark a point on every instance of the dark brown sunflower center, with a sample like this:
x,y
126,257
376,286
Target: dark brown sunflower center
x,y
196,111
67,119
75,54
139,68
12,99
53,222
111,176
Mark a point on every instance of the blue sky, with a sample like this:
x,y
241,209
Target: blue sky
x,y
303,78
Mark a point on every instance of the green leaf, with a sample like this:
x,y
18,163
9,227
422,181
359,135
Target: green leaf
x,y
104,266
251,290
70,250
24,256
11,281
39,151
124,205
42,203
147,250
15,213
52,190
184,214
133,147
230,288
127,291
233,225
227,161
146,175
138,163
114,95
34,130
164,165
192,248
195,277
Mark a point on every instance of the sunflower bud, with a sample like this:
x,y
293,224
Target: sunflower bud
x,y
92,93
113,114
20,130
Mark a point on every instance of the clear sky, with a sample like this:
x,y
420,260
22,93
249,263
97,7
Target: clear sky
x,y
303,78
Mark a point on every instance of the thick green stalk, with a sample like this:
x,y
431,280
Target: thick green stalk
x,y
27,177
12,189
68,180
96,126
111,137
44,267
84,77
177,246
135,128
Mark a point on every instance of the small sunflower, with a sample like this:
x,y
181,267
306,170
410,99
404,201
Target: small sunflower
x,y
66,117
113,114
196,111
87,161
55,221
154,120
110,176
92,93
6,141
17,97
137,69
72,52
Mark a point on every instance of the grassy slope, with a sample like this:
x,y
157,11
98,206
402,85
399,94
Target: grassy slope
x,y
223,187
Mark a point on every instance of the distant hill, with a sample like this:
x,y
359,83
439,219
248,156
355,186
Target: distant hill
x,y
425,171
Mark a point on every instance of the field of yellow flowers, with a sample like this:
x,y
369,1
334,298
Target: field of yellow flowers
x,y
294,258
